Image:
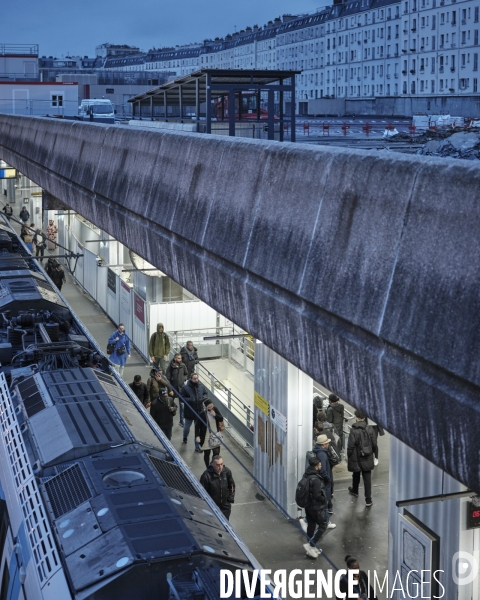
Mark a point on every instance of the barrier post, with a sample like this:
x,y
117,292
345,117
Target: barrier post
x,y
325,128
345,128
367,128
412,129
306,128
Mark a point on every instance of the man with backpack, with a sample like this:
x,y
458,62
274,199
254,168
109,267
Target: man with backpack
x,y
360,453
311,496
329,458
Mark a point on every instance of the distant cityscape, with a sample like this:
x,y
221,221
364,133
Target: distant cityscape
x,y
387,56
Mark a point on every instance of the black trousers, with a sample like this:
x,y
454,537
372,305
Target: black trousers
x,y
367,482
227,512
206,455
315,520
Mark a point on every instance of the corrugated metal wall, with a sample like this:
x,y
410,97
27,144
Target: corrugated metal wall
x,y
280,456
412,476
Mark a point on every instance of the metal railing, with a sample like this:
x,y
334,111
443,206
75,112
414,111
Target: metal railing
x,y
19,49
239,416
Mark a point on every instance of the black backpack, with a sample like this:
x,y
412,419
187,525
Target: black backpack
x,y
303,495
365,443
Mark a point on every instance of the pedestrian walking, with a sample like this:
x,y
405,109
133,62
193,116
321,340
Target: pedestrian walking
x,y
162,411
140,390
335,414
24,215
177,375
121,348
194,393
360,454
28,237
362,589
316,505
208,434
156,385
51,266
8,210
189,357
321,451
58,276
159,348
39,243
52,231
219,484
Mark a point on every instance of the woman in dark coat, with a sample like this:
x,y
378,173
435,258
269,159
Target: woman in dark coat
x,y
364,590
205,435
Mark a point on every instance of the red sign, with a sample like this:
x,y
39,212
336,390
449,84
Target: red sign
x,y
139,307
125,286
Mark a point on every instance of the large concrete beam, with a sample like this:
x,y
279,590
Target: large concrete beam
x,y
363,269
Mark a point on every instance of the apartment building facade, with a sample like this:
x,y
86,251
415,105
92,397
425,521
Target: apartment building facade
x,y
389,56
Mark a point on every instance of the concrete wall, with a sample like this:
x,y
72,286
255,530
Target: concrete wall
x,y
322,106
361,269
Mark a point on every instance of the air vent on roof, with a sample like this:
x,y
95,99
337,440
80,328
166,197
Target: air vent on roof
x,y
31,397
43,284
173,476
67,490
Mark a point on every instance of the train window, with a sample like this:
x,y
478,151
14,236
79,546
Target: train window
x,y
5,582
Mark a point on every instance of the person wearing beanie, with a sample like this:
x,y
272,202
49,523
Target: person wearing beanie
x,y
360,452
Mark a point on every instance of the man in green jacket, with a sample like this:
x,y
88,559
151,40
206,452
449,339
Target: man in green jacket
x,y
159,348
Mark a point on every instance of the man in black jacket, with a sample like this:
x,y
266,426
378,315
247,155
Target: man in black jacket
x,y
189,357
194,393
315,512
218,482
177,375
140,390
360,452
335,414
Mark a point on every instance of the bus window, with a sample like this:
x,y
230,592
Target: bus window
x,y
249,103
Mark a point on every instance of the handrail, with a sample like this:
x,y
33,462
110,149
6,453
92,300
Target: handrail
x,y
231,399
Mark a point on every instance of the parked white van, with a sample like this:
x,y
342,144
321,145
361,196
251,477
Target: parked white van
x,y
98,110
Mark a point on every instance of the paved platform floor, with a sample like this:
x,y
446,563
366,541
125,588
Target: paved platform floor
x,y
274,540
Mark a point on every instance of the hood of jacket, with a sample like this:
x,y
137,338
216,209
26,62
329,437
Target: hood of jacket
x,y
359,425
186,350
158,327
311,471
339,408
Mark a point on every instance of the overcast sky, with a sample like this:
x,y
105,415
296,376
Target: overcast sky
x,y
76,27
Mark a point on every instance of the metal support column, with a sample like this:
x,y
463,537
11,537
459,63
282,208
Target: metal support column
x,y
281,115
164,106
197,103
231,113
151,108
208,106
271,115
292,111
180,102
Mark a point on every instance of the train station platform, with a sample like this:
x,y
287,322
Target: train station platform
x,y
275,541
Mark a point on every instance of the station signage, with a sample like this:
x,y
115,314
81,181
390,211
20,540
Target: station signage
x,y
8,173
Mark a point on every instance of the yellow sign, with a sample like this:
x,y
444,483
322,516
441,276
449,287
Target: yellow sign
x,y
261,403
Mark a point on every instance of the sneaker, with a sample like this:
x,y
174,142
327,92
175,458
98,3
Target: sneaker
x,y
331,526
368,502
310,550
330,511
350,491
185,440
303,525
316,550
181,423
375,462
198,449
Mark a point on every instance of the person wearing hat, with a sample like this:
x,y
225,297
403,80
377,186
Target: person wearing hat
x,y
321,452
